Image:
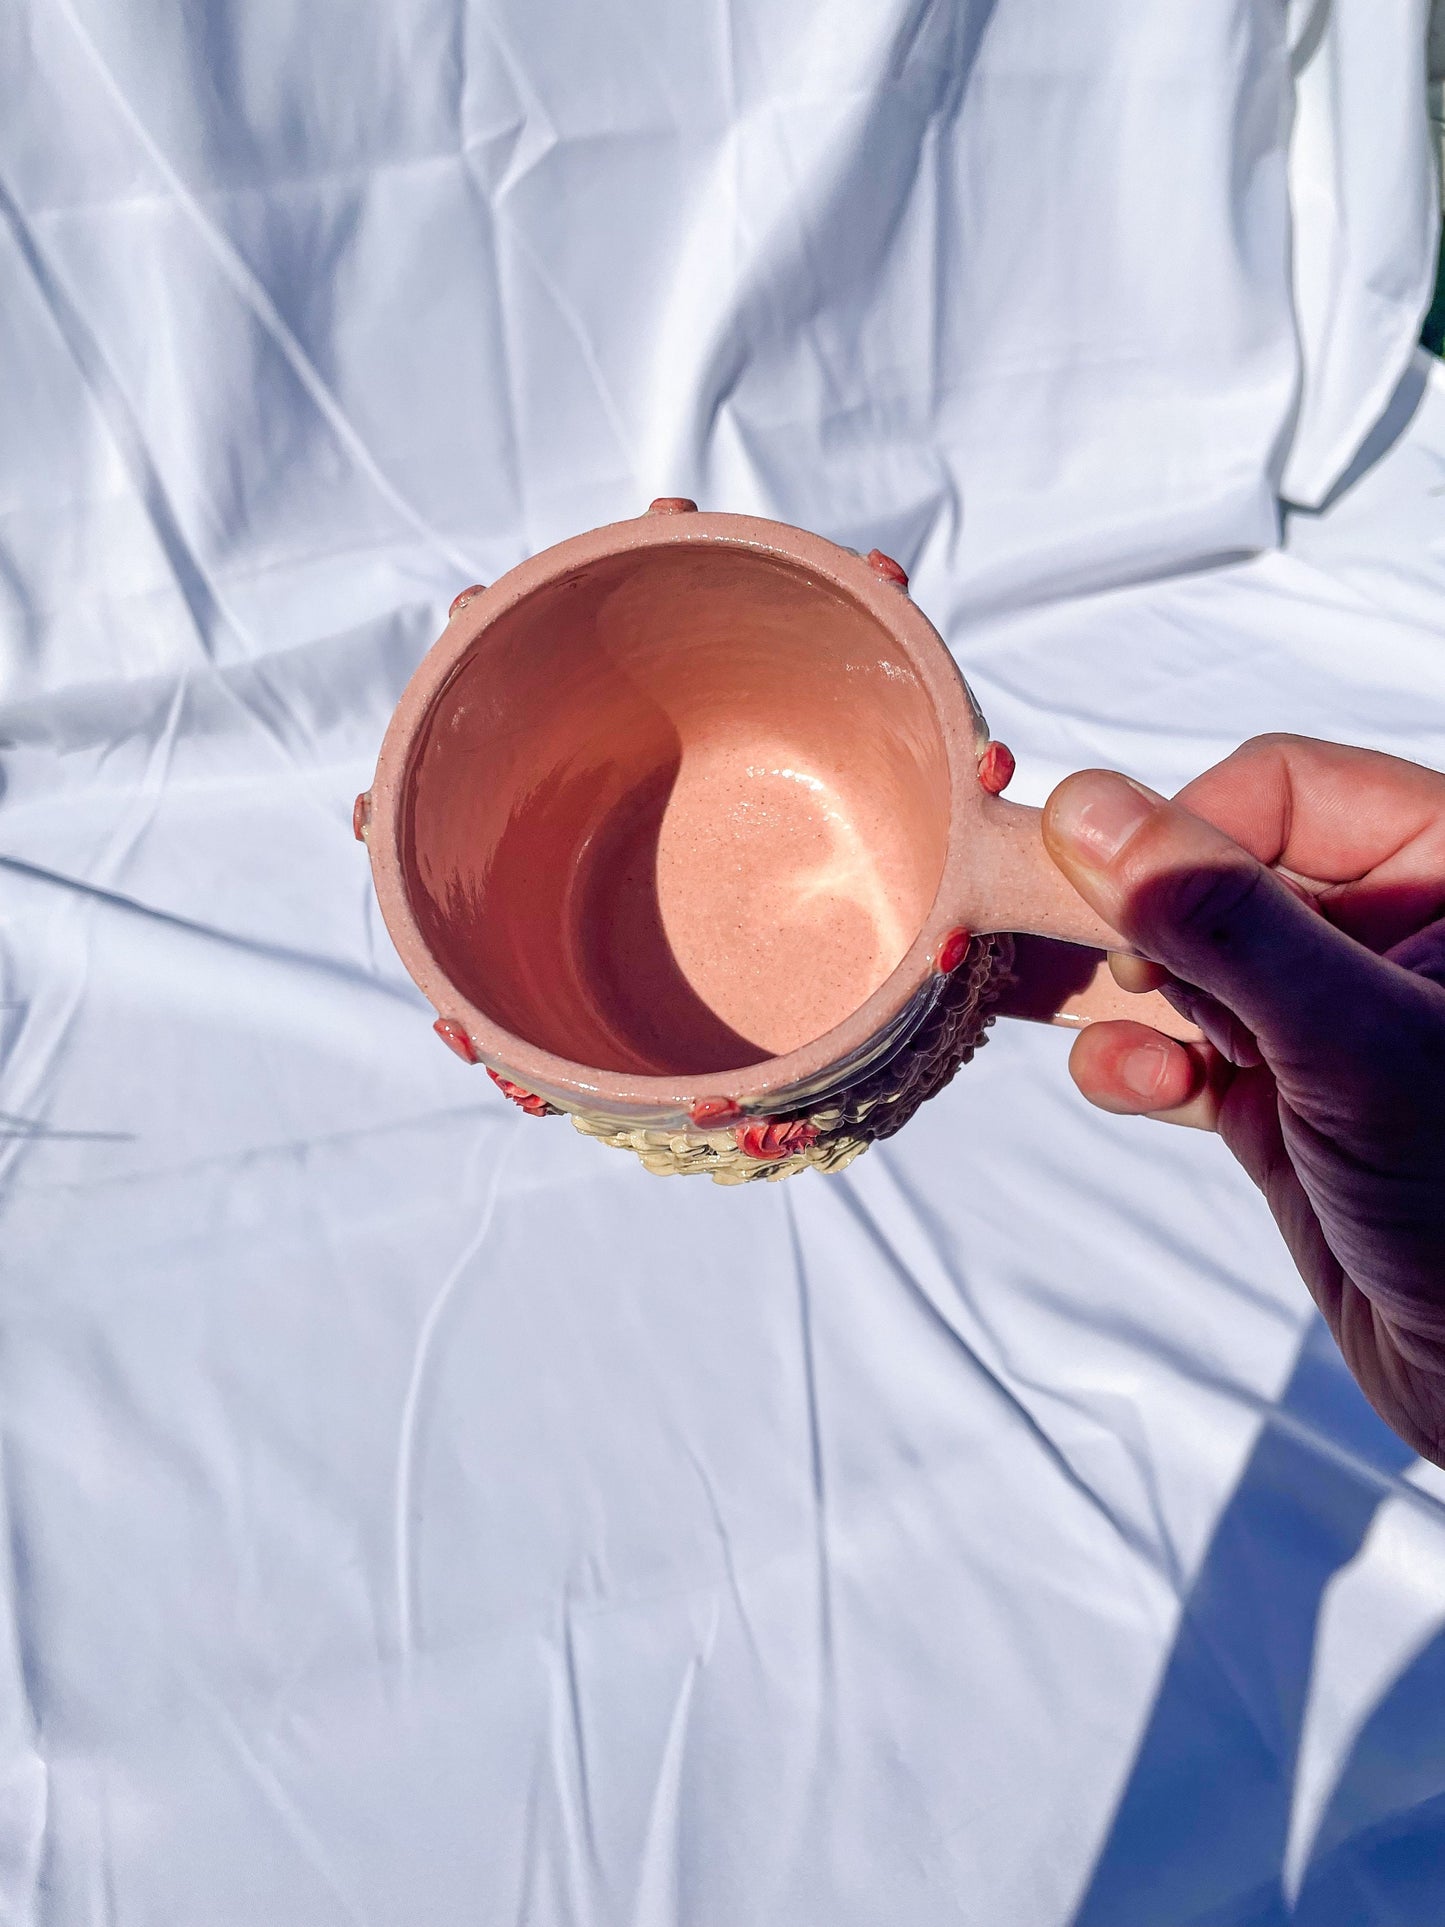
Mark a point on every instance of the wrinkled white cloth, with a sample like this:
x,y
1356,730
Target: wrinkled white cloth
x,y
1365,226
412,1512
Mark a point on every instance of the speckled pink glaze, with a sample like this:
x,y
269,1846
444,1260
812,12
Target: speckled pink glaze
x,y
681,818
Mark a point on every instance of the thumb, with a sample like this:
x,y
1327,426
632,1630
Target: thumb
x,y
1190,898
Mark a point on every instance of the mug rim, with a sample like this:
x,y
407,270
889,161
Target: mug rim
x,y
848,1047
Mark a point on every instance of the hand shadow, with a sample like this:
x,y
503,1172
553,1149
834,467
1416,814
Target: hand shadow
x,y
1199,1835
1378,1858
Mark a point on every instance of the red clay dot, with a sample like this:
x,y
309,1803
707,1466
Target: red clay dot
x,y
996,768
769,1138
953,950
527,1100
455,1038
885,566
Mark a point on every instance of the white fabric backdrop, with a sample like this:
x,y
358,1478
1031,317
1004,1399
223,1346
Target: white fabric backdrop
x,y
413,1513
1365,220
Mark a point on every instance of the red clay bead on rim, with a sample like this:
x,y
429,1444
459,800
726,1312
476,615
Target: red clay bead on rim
x,y
361,815
885,566
996,768
455,1038
527,1101
715,1113
672,505
953,950
768,1139
460,601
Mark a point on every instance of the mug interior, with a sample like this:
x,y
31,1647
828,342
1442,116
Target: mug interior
x,y
676,812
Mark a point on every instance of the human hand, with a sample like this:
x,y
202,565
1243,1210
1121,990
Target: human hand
x,y
1293,901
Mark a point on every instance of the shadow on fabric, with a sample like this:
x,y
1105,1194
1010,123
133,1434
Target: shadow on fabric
x,y
1379,1855
1199,1835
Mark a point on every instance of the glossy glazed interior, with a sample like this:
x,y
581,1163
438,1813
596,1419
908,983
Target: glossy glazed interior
x,y
677,812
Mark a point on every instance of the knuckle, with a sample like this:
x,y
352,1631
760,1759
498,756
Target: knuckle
x,y
1270,756
1268,741
1211,905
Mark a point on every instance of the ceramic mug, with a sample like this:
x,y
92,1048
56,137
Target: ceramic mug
x,y
691,828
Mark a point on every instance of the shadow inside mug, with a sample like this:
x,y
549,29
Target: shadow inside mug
x,y
622,951
566,943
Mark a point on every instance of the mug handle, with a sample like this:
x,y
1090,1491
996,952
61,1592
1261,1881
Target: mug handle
x,y
1071,984
1061,973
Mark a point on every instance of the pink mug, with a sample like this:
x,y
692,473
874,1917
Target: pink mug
x,y
690,827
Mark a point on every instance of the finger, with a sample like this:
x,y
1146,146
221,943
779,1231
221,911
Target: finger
x,y
1133,1071
1324,810
1423,952
1220,1026
1190,898
1136,974
1369,827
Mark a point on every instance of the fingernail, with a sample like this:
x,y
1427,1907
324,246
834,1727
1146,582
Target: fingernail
x,y
1144,1069
1098,812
